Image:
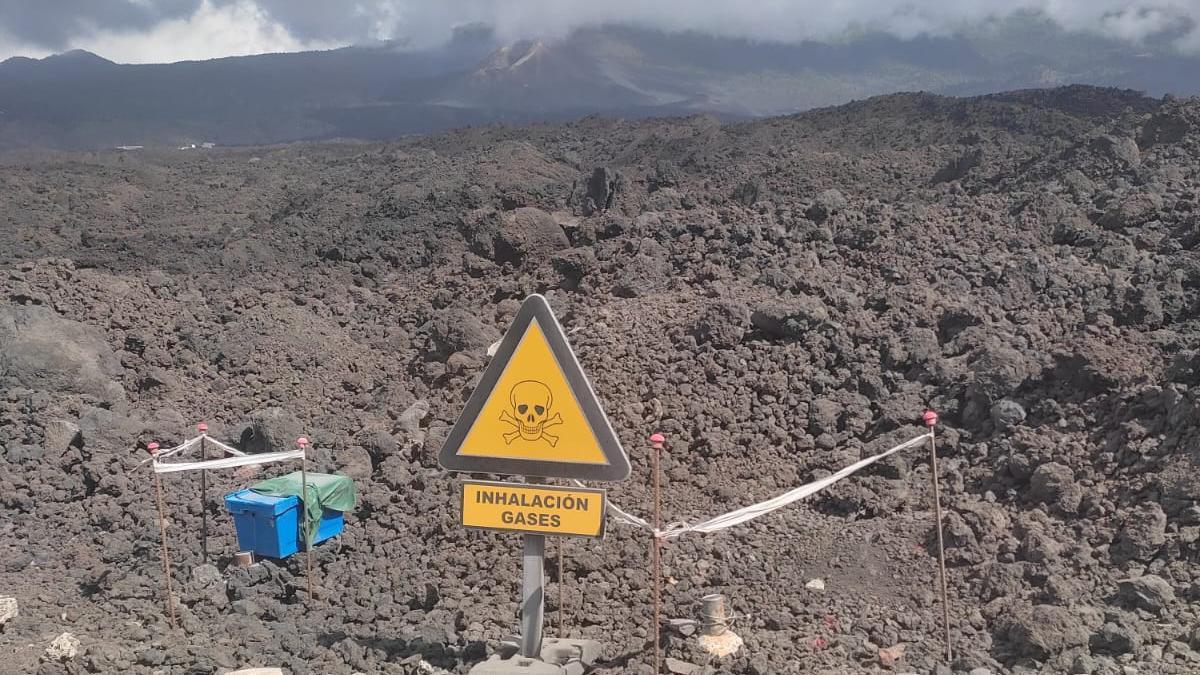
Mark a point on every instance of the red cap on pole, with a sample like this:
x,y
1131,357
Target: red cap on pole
x,y
152,448
930,417
302,441
657,440
202,427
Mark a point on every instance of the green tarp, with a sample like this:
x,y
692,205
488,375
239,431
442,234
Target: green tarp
x,y
325,491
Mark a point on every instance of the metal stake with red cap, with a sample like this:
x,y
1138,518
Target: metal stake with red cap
x,y
203,429
152,448
656,443
931,419
303,443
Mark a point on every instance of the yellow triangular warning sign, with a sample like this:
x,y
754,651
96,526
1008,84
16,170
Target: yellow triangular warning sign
x,y
534,412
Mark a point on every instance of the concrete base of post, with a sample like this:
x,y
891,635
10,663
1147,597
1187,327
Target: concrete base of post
x,y
558,657
725,644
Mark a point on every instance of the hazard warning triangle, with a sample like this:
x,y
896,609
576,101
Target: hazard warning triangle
x,y
534,412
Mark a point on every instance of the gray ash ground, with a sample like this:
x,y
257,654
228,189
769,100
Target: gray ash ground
x,y
778,297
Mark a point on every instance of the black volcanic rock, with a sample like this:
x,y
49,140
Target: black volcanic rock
x,y
42,350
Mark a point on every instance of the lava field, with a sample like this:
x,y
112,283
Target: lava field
x,y
779,298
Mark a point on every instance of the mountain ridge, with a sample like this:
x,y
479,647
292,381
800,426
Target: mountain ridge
x,y
80,100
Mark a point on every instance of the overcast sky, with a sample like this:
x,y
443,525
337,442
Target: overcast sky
x,y
141,31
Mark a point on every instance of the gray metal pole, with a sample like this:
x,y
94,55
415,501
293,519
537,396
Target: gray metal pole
x,y
532,595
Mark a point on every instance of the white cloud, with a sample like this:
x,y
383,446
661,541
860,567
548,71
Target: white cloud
x,y
1189,43
794,20
425,22
10,46
1133,21
229,30
228,27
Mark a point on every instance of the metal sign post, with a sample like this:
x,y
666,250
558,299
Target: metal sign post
x,y
533,589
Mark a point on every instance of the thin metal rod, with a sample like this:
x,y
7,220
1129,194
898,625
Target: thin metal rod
x,y
203,500
166,556
562,581
656,555
305,532
937,507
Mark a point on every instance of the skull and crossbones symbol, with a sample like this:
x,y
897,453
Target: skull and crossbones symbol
x,y
530,403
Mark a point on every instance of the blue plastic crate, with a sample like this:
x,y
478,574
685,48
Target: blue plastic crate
x,y
270,526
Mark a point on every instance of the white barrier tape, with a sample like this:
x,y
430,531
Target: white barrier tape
x,y
228,462
221,446
189,444
753,511
624,516
164,453
186,445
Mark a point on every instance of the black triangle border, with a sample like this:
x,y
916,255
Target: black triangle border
x,y
537,307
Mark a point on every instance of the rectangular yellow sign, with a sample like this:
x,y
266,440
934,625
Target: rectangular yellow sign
x,y
540,509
